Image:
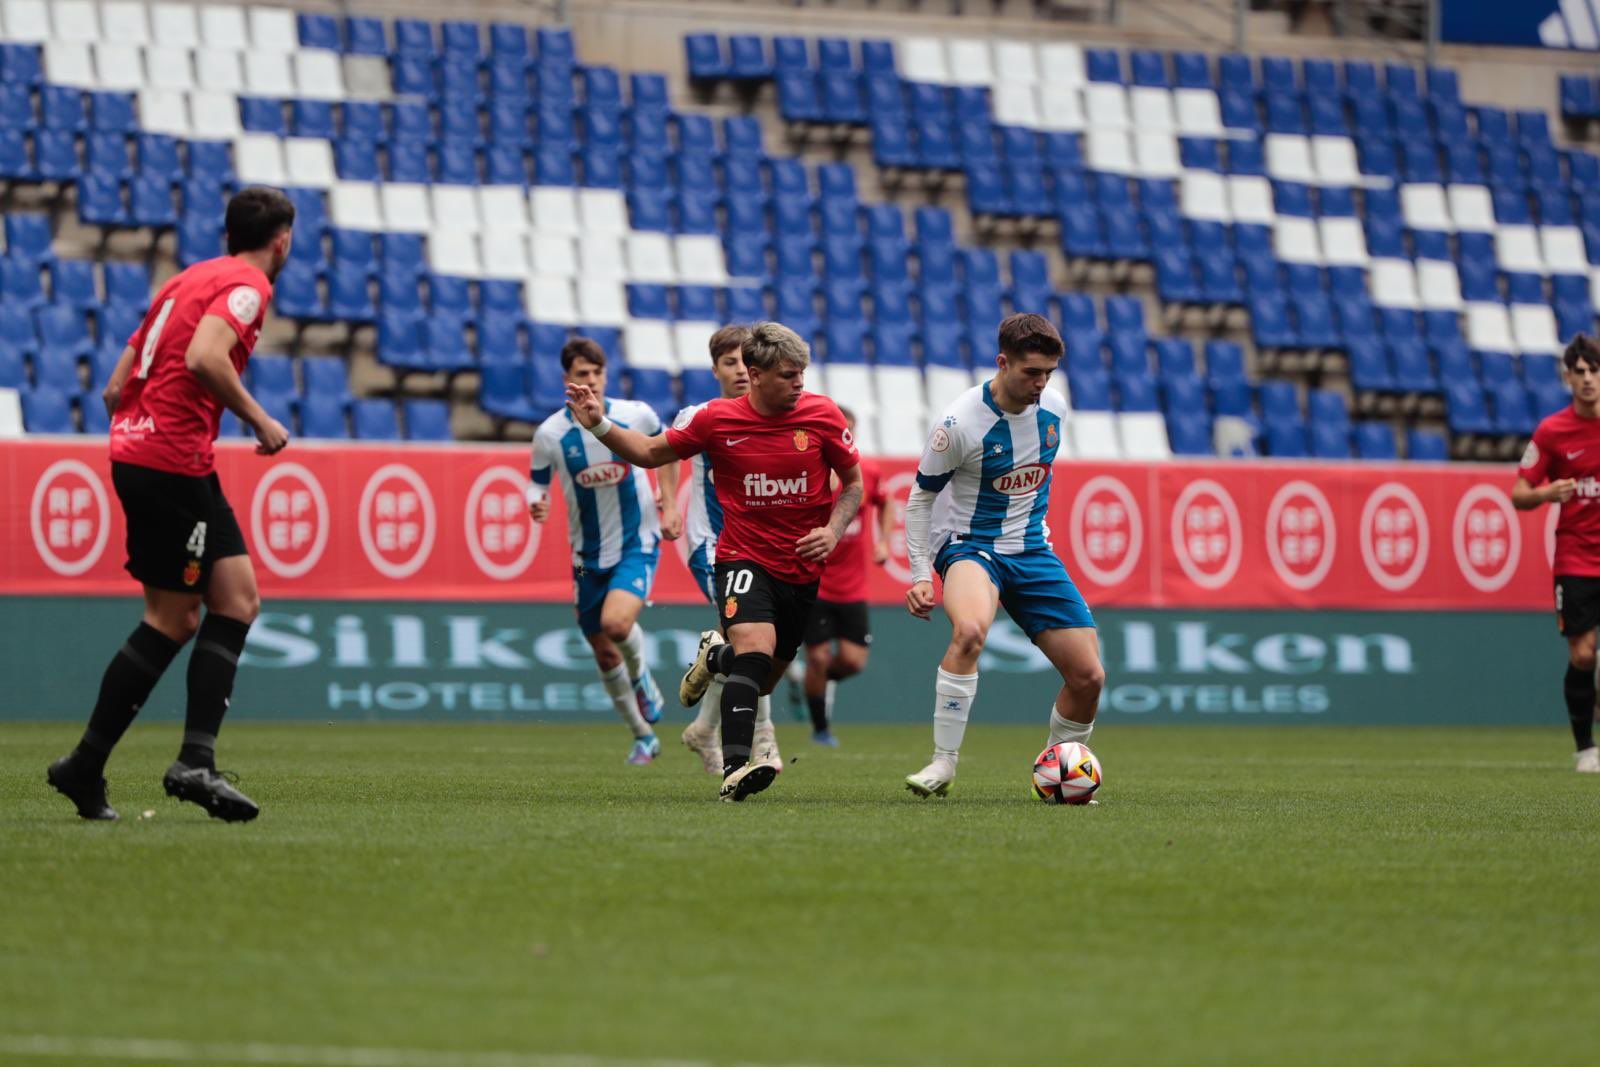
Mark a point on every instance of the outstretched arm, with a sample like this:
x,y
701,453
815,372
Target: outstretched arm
x,y
589,412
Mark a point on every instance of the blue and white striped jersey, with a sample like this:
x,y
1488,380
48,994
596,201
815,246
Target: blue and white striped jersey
x,y
611,506
992,472
703,522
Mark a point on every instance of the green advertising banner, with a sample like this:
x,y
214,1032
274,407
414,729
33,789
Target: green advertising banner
x,y
345,661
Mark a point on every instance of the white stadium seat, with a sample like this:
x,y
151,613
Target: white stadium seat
x,y
504,253
506,205
1151,109
318,75
650,258
903,425
700,260
1533,327
1094,435
1517,249
1422,204
968,61
119,67
223,27
1471,208
272,29
258,159
1344,241
26,21
69,63
1144,436
1250,200
219,69
1488,328
867,436
354,206
603,211
169,68
167,111
1289,158
648,345
1061,63
268,74
1203,194
600,257
921,59
550,300
1109,151
1016,104
124,21
602,303
1015,61
851,384
1335,160
1155,155
553,254
454,252
1439,285
944,385
308,162
174,25
1199,114
214,115
1233,437
11,413
1105,106
75,20
1061,107
693,340
405,207
1295,240
1562,250
455,207
554,210
1394,284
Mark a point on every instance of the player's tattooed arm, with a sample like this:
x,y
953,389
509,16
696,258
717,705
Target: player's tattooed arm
x,y
589,411
112,394
819,544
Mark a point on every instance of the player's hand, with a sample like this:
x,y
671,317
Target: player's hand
x,y
880,552
586,408
540,511
1560,491
272,437
919,600
817,545
671,522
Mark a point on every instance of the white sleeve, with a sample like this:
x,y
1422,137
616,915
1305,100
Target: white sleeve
x,y
918,518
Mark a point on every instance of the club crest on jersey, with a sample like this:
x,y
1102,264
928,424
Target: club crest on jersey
x,y
802,440
191,573
1050,435
730,607
1020,480
601,475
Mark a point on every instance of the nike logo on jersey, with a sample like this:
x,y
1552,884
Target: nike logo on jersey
x,y
1575,455
735,440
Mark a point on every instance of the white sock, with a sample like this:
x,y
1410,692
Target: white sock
x,y
1067,730
953,696
620,690
632,649
709,717
796,671
764,711
833,687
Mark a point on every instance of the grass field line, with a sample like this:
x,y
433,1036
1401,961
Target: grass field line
x,y
163,1050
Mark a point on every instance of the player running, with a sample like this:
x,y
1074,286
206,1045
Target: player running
x,y
180,368
615,535
772,450
838,637
1562,466
976,515
701,526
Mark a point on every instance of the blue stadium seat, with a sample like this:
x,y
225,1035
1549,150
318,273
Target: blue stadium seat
x,y
413,37
46,410
373,419
262,115
325,376
1465,408
323,416
150,202
748,59
63,330
296,295
427,420
55,369
318,31
1426,446
20,64
21,282
100,201
704,54
364,36
349,296
651,386
127,284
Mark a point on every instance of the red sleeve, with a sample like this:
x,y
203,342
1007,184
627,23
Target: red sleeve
x,y
1536,457
838,443
691,432
875,495
240,305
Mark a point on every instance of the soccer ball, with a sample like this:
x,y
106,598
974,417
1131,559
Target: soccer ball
x,y
1066,773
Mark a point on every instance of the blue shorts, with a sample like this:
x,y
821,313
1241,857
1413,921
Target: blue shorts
x,y
1034,587
634,573
704,578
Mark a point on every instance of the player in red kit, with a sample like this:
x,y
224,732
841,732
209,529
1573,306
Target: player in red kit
x,y
1562,466
773,450
178,371
838,637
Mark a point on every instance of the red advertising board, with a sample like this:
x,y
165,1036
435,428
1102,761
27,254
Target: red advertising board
x,y
448,523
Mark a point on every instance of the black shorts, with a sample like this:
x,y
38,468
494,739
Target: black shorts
x,y
178,526
838,620
747,593
1577,604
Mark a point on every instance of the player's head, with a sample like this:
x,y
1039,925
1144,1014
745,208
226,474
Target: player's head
x,y
849,417
261,220
583,362
1582,363
776,358
1030,350
727,359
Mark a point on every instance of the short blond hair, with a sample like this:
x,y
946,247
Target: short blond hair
x,y
772,343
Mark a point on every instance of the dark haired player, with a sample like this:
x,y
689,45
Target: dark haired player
x,y
1562,466
772,450
179,370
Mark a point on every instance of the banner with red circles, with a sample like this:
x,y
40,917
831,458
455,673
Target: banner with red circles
x,y
449,523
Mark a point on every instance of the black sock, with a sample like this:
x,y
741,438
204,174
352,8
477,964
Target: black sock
x,y
740,692
1580,706
212,665
721,660
819,711
131,674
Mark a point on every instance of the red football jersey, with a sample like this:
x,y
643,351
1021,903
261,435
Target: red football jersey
x,y
166,419
771,475
844,579
1567,445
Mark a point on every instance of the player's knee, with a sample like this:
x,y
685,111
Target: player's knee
x,y
245,606
616,627
818,657
1582,657
180,625
1087,681
967,637
851,661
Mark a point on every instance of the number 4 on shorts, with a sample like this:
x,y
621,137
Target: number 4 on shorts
x,y
197,541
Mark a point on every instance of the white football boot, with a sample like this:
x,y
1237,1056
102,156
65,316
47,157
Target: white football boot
x,y
765,745
698,677
1587,761
705,744
752,778
933,780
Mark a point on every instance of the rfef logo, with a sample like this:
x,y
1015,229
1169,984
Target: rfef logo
x,y
70,517
289,520
1487,538
1394,536
1301,538
1107,530
501,539
396,521
764,485
600,475
1022,480
1207,535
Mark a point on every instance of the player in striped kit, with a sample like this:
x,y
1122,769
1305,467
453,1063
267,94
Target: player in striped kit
x,y
615,536
977,515
702,524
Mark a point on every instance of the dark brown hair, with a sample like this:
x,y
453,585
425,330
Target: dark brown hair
x,y
1583,347
256,215
1027,334
728,338
582,348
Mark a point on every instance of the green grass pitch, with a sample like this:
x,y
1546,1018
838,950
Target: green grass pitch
x,y
428,895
